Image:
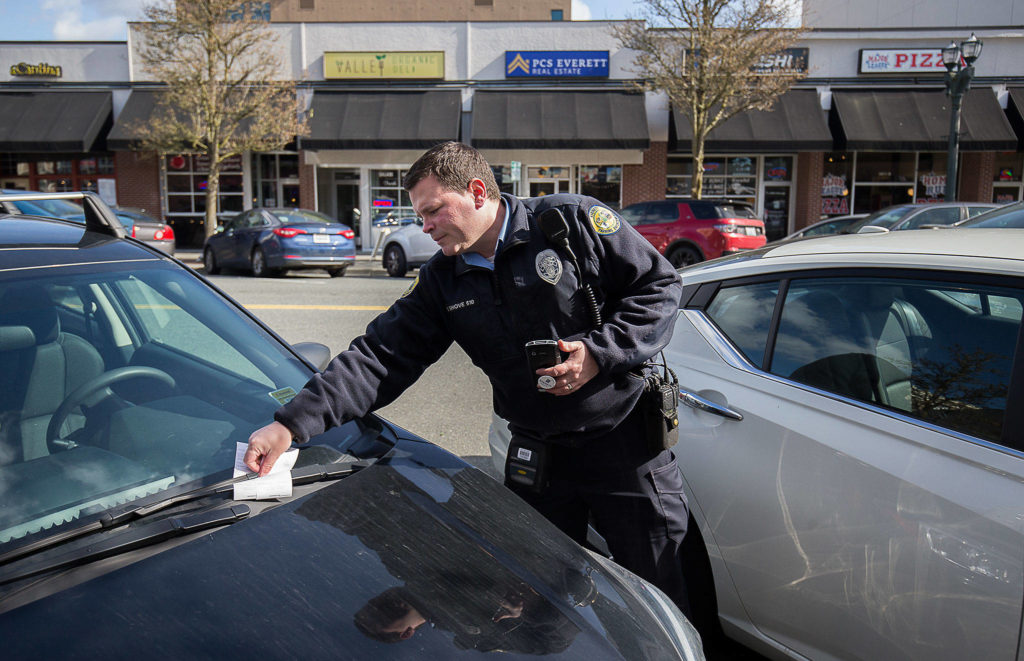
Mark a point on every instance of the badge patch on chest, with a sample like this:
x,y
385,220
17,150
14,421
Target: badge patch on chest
x,y
549,266
603,220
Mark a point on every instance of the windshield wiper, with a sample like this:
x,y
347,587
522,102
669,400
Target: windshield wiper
x,y
136,538
304,475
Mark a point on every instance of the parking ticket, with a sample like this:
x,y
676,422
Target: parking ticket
x,y
276,484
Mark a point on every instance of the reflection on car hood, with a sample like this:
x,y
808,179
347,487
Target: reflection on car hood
x,y
321,576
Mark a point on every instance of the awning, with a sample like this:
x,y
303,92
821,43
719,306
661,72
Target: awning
x,y
128,130
559,120
903,120
383,120
52,121
1015,113
795,123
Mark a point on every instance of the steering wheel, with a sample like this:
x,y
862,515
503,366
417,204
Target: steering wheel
x,y
90,388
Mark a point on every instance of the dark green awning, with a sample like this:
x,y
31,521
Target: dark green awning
x,y
52,121
559,120
383,120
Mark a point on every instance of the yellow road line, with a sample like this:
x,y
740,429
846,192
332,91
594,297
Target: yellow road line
x,y
375,308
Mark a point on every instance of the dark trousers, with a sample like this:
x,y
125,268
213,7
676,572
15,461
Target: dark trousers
x,y
634,496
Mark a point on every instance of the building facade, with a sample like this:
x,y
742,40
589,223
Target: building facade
x,y
554,108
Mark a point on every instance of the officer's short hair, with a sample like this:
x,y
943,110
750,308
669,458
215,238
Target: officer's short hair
x,y
455,165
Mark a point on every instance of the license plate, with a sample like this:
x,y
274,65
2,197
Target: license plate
x,y
321,238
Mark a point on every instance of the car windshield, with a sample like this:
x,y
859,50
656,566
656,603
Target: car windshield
x,y
120,381
293,216
49,208
1011,216
881,218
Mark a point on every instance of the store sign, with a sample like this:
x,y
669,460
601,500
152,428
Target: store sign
x,y
934,184
789,60
406,64
904,60
835,200
41,69
556,64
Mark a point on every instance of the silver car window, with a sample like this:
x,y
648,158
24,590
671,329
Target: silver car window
x,y
744,314
941,352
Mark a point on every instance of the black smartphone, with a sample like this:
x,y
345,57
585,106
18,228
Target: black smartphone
x,y
542,353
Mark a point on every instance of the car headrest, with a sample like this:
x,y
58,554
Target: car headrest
x,y
31,307
13,338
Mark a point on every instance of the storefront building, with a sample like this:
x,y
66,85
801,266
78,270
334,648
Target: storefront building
x,y
552,105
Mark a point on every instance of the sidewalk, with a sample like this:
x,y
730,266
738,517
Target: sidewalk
x,y
363,266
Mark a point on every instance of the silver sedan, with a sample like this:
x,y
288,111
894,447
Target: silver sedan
x,y
851,438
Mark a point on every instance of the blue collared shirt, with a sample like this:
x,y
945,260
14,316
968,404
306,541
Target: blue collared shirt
x,y
476,259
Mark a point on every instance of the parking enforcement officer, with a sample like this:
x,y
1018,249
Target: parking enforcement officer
x,y
497,283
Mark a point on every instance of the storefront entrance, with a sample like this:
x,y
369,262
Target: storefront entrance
x,y
549,180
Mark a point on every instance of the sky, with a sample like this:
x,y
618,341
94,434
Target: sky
x,y
106,20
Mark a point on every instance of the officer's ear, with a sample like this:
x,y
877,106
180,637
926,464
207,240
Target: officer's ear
x,y
478,189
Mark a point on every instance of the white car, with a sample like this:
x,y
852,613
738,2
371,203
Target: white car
x,y
852,441
406,248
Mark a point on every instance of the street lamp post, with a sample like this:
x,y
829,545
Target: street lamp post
x,y
959,60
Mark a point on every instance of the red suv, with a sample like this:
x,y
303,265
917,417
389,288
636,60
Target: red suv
x,y
689,231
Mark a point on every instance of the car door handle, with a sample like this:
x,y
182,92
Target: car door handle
x,y
697,402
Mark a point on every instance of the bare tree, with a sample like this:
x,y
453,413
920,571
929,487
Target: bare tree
x,y
224,94
709,57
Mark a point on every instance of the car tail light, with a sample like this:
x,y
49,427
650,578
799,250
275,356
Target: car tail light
x,y
728,228
348,234
133,231
165,233
288,232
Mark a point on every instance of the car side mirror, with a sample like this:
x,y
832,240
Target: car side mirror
x,y
418,221
219,229
315,353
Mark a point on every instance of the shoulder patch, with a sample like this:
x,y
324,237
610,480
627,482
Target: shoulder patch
x,y
408,291
603,220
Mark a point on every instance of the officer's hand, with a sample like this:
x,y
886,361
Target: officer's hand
x,y
571,374
266,445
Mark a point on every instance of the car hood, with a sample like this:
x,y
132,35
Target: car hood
x,y
316,577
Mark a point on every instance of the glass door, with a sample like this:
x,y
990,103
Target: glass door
x,y
549,180
776,211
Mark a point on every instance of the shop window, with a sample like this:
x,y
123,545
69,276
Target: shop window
x,y
505,178
888,167
603,182
50,173
186,178
387,197
1006,186
835,184
274,177
931,177
729,177
680,178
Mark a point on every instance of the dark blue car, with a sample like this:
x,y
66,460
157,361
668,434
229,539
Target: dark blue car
x,y
269,241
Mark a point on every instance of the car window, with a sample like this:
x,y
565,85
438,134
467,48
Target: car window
x,y
939,216
1010,216
633,214
735,211
663,212
977,211
291,216
254,219
49,208
940,352
744,314
703,210
178,378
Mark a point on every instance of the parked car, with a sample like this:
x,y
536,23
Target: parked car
x,y
1011,215
124,518
406,248
851,438
147,229
689,231
916,216
823,227
269,241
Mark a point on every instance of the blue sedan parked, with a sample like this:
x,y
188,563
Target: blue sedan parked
x,y
269,241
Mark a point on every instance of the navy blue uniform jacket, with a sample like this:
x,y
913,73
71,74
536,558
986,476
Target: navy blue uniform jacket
x,y
492,314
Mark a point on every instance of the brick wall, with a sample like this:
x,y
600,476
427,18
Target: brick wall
x,y
977,171
647,181
307,183
810,168
138,181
